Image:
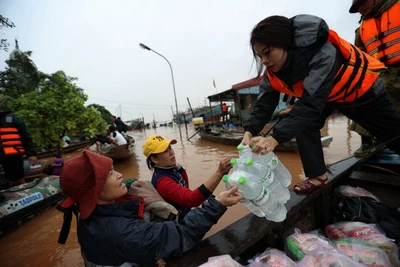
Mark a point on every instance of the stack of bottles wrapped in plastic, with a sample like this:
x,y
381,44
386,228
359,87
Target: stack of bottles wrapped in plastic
x,y
263,182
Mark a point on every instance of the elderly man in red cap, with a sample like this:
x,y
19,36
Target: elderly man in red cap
x,y
113,233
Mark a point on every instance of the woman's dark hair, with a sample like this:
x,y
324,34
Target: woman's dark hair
x,y
274,31
150,163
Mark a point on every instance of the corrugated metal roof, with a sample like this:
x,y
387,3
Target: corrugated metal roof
x,y
249,83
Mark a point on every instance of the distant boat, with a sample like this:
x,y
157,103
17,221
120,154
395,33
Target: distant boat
x,y
32,171
234,138
120,152
68,149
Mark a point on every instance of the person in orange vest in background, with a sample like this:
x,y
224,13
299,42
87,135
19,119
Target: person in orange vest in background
x,y
379,36
303,58
15,141
224,112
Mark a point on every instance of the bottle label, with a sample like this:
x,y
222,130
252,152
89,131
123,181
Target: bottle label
x,y
273,162
268,178
262,198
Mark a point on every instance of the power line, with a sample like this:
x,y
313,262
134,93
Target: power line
x,y
126,103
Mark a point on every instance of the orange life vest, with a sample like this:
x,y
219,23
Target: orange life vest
x,y
10,140
381,36
356,75
224,108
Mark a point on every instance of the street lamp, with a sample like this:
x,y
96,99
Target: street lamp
x,y
173,84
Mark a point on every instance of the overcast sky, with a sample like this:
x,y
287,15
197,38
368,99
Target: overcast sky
x,y
98,42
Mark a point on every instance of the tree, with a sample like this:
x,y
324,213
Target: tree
x,y
105,114
21,75
55,110
5,23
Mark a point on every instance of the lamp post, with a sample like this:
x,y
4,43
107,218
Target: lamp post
x,y
173,84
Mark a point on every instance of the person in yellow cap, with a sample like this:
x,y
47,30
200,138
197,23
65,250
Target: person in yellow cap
x,y
170,178
379,36
113,233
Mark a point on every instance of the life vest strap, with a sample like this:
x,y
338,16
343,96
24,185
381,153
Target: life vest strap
x,y
353,75
385,45
381,35
360,80
387,57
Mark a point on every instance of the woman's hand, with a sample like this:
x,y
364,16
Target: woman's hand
x,y
230,197
263,145
224,167
246,138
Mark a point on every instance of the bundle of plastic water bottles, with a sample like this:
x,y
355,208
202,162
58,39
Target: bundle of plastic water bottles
x,y
263,182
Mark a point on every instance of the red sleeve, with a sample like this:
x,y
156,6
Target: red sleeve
x,y
185,176
171,191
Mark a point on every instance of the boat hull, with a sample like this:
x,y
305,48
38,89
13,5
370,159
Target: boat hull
x,y
120,152
251,235
234,138
24,200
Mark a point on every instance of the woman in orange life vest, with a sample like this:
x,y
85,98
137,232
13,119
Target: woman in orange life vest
x,y
304,59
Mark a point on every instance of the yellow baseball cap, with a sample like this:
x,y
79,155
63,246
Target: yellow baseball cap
x,y
156,144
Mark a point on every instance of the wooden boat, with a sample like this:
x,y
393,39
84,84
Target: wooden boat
x,y
234,138
251,235
20,202
120,152
68,149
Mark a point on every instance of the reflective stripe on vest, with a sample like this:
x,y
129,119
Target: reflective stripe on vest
x,y
8,130
381,36
10,141
356,75
13,151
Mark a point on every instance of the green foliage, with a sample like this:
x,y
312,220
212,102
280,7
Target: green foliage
x,y
5,23
20,76
105,114
57,109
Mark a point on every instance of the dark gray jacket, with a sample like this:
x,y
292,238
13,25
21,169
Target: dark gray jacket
x,y
313,59
114,235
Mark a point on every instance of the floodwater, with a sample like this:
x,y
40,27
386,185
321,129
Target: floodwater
x,y
34,243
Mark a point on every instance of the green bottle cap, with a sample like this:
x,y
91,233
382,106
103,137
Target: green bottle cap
x,y
253,145
242,180
274,162
225,178
233,161
240,147
249,162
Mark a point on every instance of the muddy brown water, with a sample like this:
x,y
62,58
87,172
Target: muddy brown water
x,y
34,242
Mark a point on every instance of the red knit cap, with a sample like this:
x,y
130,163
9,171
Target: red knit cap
x,y
82,179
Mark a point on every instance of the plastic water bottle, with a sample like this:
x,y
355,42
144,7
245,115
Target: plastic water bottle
x,y
244,153
253,208
250,206
280,171
261,172
257,194
278,191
